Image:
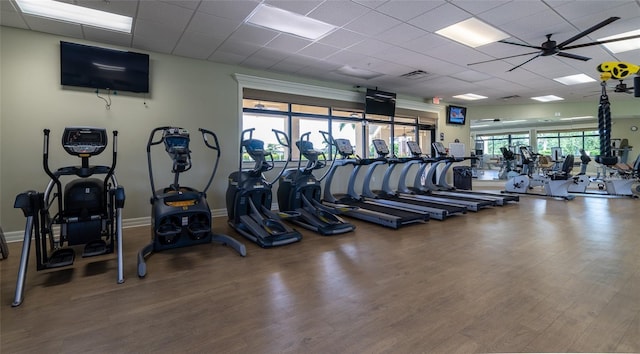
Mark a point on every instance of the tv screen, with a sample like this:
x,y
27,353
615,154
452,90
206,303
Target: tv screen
x,y
102,68
380,102
456,115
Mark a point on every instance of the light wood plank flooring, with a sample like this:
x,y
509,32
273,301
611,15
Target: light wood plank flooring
x,y
542,275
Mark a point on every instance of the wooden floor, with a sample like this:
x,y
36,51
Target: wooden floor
x,y
543,275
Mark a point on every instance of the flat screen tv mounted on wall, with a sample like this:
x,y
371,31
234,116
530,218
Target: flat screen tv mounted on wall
x,y
380,102
456,115
102,68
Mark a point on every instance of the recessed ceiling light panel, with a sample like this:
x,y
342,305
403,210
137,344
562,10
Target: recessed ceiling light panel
x,y
470,97
547,98
285,21
76,14
473,33
574,79
623,46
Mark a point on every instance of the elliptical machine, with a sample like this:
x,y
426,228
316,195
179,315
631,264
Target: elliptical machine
x,y
299,191
88,212
180,215
249,196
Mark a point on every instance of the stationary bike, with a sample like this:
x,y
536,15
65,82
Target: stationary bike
x,y
180,215
249,196
299,191
88,212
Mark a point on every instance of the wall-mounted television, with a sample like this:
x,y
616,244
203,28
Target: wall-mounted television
x,y
102,68
456,115
380,102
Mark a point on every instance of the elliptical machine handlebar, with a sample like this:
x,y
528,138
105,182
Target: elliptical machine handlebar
x,y
216,147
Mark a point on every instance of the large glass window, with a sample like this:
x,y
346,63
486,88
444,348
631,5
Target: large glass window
x,y
570,142
297,119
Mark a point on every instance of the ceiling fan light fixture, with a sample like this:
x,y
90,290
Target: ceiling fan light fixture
x,y
473,33
622,46
470,97
547,98
574,79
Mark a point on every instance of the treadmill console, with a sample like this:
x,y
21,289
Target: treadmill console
x,y
344,147
381,147
84,141
414,148
440,149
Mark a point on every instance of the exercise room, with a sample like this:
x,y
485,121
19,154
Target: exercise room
x,y
319,176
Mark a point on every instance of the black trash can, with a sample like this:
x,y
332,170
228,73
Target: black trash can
x,y
462,177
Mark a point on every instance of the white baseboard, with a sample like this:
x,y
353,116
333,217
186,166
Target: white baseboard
x,y
15,236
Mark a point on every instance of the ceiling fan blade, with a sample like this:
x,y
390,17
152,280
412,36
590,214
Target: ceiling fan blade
x,y
601,42
511,56
521,44
587,31
515,67
572,56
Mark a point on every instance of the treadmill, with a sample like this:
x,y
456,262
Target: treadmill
x,y
364,210
427,191
443,188
436,210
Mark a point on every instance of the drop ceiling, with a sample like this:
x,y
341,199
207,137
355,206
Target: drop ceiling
x,y
390,38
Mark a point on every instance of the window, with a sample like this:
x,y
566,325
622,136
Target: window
x,y
570,142
297,119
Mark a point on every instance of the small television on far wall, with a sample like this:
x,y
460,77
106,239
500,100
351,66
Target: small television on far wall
x,y
456,115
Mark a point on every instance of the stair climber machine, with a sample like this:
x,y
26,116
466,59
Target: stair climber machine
x,y
386,196
442,188
87,212
367,210
180,215
249,196
299,191
555,183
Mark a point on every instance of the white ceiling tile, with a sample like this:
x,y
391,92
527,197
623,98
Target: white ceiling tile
x,y
342,38
318,51
196,45
458,54
10,18
370,47
511,11
212,25
253,34
109,37
445,15
120,7
288,43
338,13
347,57
372,23
239,48
470,76
164,13
372,4
401,33
289,66
477,7
232,9
405,10
302,7
152,36
189,4
226,58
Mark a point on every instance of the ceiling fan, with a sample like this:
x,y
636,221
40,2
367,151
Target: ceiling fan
x,y
551,47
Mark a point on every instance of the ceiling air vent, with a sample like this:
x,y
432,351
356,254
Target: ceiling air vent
x,y
506,98
415,75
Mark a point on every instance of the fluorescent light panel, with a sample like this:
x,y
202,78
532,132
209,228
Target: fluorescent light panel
x,y
358,72
622,46
574,79
578,118
76,14
514,121
473,33
548,98
289,22
479,126
470,97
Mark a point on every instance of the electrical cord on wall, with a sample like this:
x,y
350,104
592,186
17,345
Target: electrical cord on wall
x,y
107,100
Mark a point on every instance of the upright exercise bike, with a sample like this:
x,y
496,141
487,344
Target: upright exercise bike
x,y
249,196
88,212
180,215
299,191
